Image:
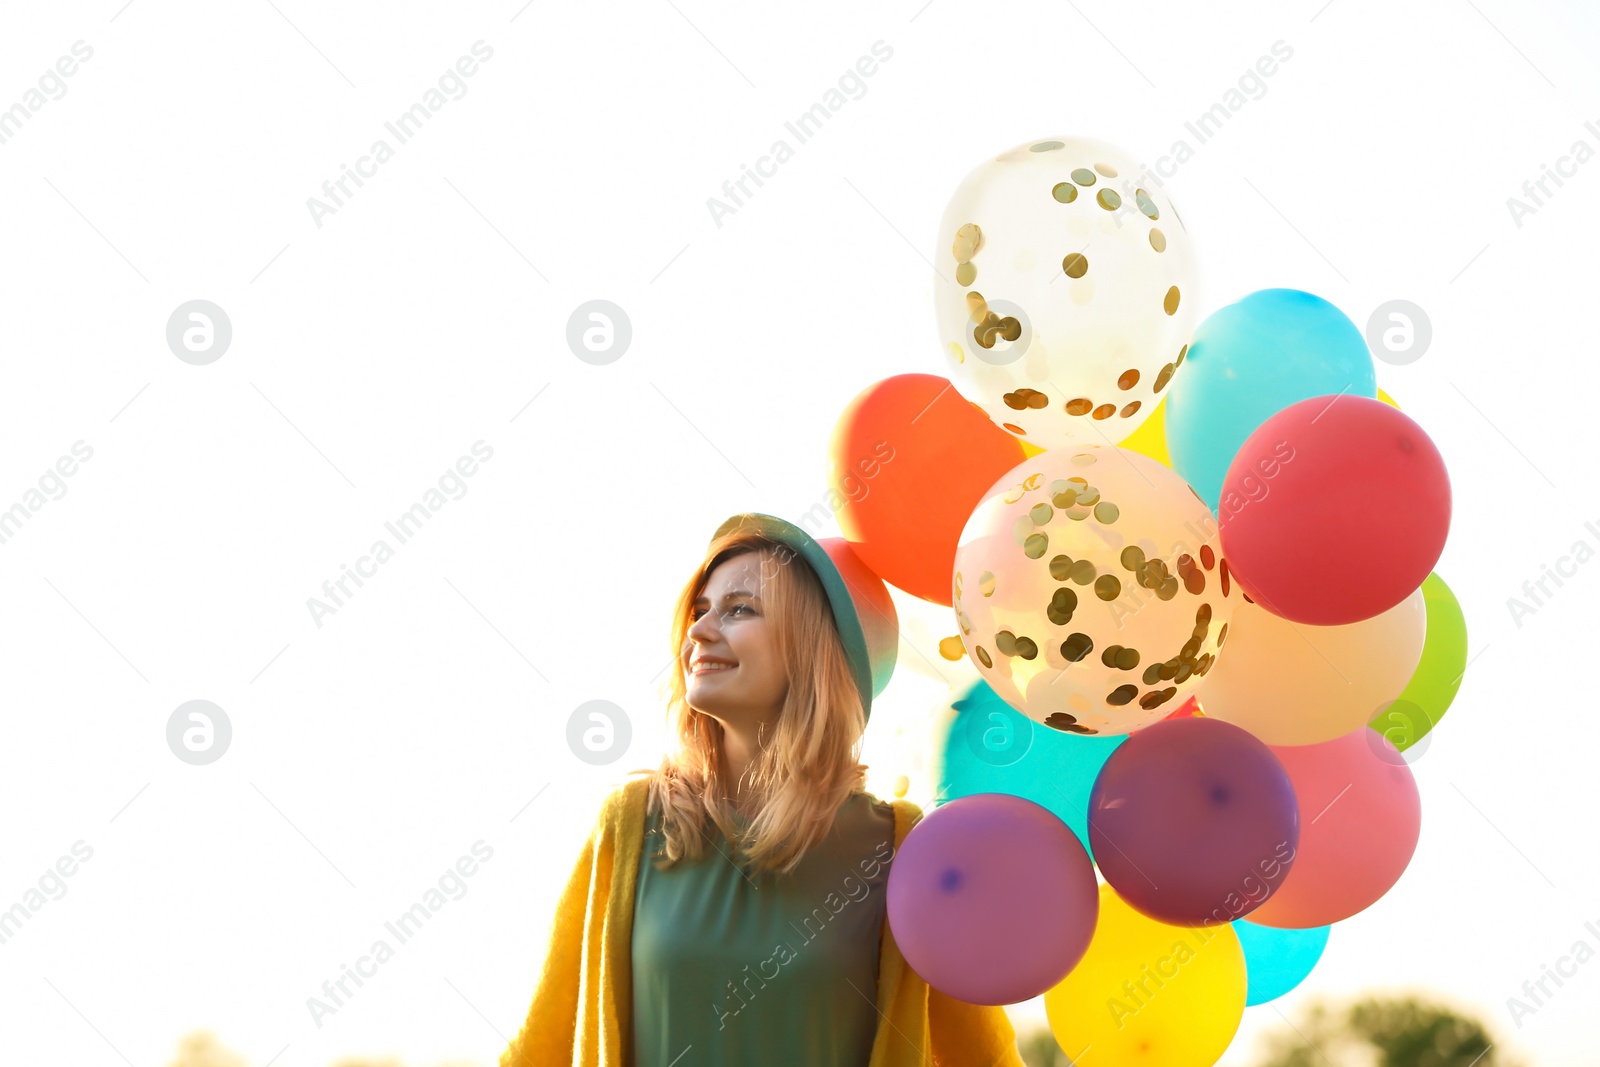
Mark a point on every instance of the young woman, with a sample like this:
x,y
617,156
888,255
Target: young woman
x,y
728,908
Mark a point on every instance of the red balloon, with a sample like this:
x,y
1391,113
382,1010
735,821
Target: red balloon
x,y
880,622
1334,510
1188,709
910,459
1360,817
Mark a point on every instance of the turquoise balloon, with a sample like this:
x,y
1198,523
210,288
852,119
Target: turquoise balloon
x,y
1276,960
993,748
1249,361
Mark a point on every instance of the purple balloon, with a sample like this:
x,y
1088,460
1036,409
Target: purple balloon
x,y
1194,822
992,899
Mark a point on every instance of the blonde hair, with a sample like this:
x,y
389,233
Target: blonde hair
x,y
807,767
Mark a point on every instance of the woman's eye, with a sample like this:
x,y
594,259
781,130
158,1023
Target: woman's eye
x,y
695,613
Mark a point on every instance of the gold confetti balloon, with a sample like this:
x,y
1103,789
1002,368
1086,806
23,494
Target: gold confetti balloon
x,y
1065,291
1090,589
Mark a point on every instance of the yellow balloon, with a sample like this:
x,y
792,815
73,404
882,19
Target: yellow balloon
x,y
1383,396
1149,993
1151,436
1296,684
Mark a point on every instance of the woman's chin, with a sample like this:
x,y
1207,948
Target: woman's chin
x,y
703,700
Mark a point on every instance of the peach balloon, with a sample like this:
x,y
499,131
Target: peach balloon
x,y
1297,684
1360,816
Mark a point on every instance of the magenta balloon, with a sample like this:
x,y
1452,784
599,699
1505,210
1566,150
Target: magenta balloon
x,y
1194,822
991,899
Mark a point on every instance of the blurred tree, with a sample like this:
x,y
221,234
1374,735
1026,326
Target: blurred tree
x,y
1039,1048
1376,1031
1384,1032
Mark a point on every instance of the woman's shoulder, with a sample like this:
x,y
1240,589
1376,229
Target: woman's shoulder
x,y
879,806
897,814
625,800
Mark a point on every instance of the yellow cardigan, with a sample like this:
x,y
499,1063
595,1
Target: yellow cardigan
x,y
581,1013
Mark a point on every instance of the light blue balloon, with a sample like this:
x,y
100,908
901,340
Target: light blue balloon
x,y
1275,961
993,748
1249,361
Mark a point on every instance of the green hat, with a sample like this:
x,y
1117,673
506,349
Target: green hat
x,y
876,643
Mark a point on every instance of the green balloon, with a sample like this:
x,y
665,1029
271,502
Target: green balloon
x,y
1425,699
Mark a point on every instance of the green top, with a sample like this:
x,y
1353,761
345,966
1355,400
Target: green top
x,y
730,969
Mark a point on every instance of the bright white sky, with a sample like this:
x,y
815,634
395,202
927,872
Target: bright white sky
x,y
371,753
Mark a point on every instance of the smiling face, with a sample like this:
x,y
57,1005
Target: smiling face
x,y
731,665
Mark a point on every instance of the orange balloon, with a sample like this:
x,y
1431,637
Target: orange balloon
x,y
910,459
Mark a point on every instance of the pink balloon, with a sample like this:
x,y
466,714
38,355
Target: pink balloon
x,y
1334,510
1359,820
991,899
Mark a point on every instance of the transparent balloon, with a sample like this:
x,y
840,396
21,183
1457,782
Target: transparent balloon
x,y
1065,289
1090,589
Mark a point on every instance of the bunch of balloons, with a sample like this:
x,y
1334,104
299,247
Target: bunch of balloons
x,y
1192,563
